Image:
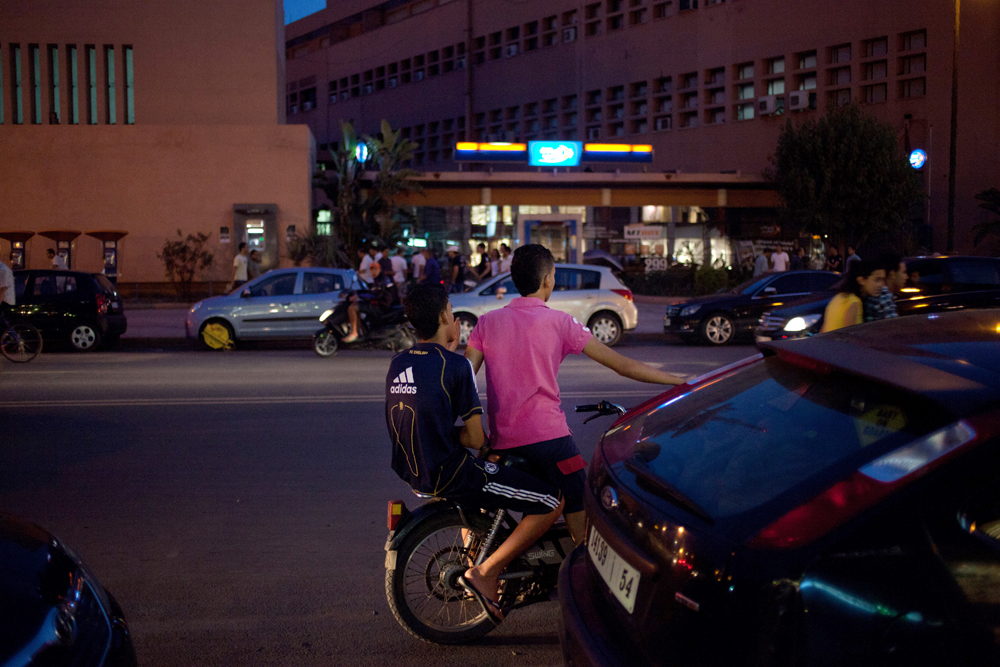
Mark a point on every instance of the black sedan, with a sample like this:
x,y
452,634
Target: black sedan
x,y
833,500
721,318
73,307
937,284
53,611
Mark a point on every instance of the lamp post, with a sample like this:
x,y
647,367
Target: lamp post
x,y
953,152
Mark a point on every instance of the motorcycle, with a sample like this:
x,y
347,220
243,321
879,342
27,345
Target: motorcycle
x,y
387,330
428,549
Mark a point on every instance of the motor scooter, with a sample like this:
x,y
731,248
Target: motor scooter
x,y
429,548
377,329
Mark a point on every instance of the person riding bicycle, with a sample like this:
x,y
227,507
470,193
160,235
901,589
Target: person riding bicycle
x,y
384,297
6,289
523,345
429,387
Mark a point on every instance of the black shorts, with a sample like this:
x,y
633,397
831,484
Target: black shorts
x,y
502,487
562,466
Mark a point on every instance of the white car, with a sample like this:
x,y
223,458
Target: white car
x,y
591,294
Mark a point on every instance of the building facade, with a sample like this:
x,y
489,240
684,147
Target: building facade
x,y
122,123
709,84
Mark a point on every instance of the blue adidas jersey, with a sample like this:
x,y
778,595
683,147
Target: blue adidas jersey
x,y
427,390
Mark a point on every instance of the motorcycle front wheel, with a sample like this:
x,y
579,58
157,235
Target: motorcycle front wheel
x,y
325,344
423,590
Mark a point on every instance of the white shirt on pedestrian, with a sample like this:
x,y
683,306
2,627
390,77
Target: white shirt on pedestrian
x,y
505,263
780,261
240,266
417,263
7,280
59,263
398,269
365,272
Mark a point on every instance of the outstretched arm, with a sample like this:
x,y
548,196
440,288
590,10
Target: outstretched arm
x,y
475,357
630,368
472,435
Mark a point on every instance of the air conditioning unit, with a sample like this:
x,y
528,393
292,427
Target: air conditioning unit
x,y
306,106
798,100
569,34
767,104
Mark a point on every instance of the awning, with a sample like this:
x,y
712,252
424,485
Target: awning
x,y
60,235
107,235
16,237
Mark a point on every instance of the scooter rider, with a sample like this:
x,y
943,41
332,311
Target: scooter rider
x,y
427,390
384,297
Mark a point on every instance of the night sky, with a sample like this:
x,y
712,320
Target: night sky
x,y
296,9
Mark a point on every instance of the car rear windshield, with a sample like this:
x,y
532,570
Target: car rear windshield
x,y
105,284
738,442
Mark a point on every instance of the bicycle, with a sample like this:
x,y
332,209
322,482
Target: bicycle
x,y
19,342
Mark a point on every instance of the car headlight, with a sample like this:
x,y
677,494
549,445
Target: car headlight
x,y
196,306
325,315
690,310
802,323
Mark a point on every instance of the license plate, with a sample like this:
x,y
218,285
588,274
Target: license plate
x,y
666,321
621,578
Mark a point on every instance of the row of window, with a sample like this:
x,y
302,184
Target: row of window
x,y
36,83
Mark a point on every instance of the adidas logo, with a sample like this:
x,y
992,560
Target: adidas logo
x,y
404,383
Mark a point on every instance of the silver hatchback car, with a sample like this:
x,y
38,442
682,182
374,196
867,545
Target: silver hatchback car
x,y
283,303
591,294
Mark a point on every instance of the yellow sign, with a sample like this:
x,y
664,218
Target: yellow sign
x,y
878,423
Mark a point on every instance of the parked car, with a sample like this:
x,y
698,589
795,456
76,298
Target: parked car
x,y
54,611
591,294
82,309
283,303
721,318
938,284
831,501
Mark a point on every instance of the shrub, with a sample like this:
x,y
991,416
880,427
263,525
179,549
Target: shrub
x,y
183,258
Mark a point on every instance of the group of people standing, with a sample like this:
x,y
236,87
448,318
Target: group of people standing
x,y
425,269
246,265
778,259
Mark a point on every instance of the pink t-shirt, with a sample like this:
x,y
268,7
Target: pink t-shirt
x,y
523,344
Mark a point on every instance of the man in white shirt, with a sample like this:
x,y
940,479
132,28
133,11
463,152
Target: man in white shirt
x,y
368,258
417,263
506,257
779,260
240,264
58,262
399,270
6,288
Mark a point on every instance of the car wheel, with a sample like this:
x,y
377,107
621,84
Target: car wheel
x,y
606,328
216,335
84,337
718,329
466,323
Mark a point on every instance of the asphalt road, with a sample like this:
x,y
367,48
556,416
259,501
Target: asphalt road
x,y
235,502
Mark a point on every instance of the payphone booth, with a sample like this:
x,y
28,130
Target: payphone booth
x,y
109,247
64,243
17,248
561,233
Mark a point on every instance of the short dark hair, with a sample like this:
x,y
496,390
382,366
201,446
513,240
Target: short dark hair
x,y
242,245
50,251
423,307
859,268
529,267
889,261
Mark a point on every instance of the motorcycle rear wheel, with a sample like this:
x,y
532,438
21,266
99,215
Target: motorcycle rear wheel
x,y
325,344
422,589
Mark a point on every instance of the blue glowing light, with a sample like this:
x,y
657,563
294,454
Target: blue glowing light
x,y
917,158
361,153
554,153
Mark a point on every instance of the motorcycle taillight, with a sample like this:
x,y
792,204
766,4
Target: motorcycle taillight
x,y
397,510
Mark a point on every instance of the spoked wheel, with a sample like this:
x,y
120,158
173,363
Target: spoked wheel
x,y
20,343
325,344
718,329
606,328
423,589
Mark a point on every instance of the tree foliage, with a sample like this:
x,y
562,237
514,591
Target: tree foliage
x,y
844,175
317,249
989,200
367,210
183,258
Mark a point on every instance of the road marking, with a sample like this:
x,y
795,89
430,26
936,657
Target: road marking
x,y
262,400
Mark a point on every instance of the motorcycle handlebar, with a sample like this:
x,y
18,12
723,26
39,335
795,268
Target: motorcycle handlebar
x,y
590,407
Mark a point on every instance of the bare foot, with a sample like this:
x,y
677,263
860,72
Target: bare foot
x,y
485,585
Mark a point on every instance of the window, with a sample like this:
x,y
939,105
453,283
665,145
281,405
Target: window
x,y
744,111
638,16
715,116
592,29
688,4
806,81
593,97
689,101
662,123
531,109
616,93
593,133
638,89
616,22
744,91
549,22
513,33
874,94
569,34
592,11
744,71
35,62
913,87
616,111
874,48
840,54
689,119
715,96
639,108
969,275
776,66
913,41
839,98
129,86
616,129
689,80
664,104
74,84
569,120
807,59
569,102
549,106
321,283
91,54
282,285
714,77
776,87
614,6
577,279
109,79
876,70
662,10
54,105
569,18
53,286
913,64
796,283
927,275
840,76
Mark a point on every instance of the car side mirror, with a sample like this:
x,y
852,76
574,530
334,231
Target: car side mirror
x,y
770,291
245,294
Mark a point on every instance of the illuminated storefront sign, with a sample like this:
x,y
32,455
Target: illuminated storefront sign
x,y
554,153
918,158
617,153
491,151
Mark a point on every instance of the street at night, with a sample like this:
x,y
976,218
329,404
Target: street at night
x,y
234,503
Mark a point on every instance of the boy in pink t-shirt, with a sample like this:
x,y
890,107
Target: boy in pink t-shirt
x,y
523,345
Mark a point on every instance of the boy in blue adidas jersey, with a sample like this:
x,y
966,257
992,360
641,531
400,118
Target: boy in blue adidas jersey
x,y
429,388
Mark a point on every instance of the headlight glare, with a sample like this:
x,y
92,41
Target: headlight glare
x,y
326,314
801,323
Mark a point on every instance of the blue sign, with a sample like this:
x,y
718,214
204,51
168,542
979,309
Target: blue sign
x,y
361,153
554,153
917,158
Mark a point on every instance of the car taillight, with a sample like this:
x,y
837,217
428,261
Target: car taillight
x,y
103,302
863,489
627,293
